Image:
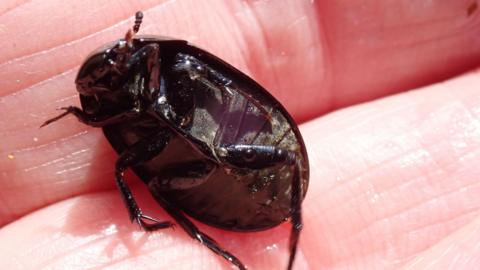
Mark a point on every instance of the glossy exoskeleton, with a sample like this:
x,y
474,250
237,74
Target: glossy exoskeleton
x,y
207,140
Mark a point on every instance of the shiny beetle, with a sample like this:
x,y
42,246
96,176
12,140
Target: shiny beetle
x,y
206,139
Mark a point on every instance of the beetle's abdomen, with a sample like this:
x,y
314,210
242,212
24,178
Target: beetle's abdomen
x,y
225,113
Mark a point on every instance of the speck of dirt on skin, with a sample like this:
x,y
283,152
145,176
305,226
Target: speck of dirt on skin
x,y
10,156
472,8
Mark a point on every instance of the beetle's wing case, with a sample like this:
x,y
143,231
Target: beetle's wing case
x,y
229,108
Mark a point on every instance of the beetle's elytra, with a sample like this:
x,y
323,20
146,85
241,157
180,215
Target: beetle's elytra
x,y
206,139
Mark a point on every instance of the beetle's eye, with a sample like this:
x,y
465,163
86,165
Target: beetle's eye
x,y
249,155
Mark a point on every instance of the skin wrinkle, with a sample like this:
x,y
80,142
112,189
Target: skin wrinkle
x,y
26,90
101,237
469,111
32,145
412,230
47,185
264,37
255,22
364,172
299,94
65,252
13,7
50,144
327,62
447,20
385,262
270,48
442,221
61,141
147,253
239,36
403,210
126,18
97,238
425,41
52,73
460,158
440,256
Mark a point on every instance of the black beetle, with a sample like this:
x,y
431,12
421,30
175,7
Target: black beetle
x,y
207,140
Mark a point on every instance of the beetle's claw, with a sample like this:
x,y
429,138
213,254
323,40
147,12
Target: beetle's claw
x,y
156,225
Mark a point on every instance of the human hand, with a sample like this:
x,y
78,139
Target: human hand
x,y
394,182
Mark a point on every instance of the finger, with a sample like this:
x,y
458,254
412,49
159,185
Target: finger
x,y
41,166
69,159
334,53
93,231
389,180
372,49
458,251
375,202
392,178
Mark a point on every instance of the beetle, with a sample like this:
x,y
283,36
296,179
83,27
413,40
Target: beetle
x,y
207,140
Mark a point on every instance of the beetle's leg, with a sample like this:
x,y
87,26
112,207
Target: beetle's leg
x,y
90,119
261,157
183,175
148,55
256,156
296,215
141,151
195,233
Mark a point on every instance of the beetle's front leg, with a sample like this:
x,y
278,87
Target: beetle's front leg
x,y
141,151
147,56
90,119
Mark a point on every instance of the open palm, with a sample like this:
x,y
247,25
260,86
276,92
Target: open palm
x,y
394,181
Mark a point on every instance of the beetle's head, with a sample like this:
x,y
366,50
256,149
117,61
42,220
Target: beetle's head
x,y
100,72
104,68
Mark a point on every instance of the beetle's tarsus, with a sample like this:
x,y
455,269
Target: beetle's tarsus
x,y
140,152
58,117
156,225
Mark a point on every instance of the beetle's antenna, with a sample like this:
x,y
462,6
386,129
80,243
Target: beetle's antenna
x,y
138,21
131,32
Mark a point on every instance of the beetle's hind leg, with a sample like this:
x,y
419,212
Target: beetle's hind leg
x,y
195,233
296,216
141,151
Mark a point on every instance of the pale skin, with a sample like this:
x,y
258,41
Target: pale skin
x,y
394,181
